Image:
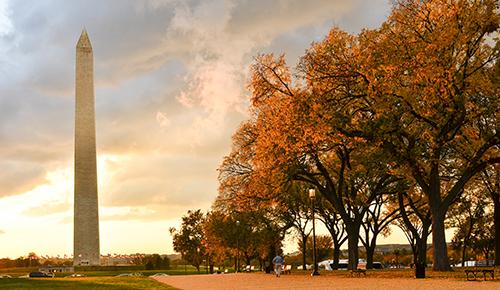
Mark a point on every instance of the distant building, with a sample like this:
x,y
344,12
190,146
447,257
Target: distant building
x,y
57,269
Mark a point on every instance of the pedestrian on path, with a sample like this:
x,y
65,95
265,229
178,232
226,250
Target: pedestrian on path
x,y
278,264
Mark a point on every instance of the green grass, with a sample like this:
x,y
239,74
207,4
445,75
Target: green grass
x,y
96,283
94,279
110,271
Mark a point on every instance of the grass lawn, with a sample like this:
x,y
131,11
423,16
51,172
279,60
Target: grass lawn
x,y
83,283
190,270
104,279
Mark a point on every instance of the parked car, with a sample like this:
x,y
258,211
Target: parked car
x,y
40,275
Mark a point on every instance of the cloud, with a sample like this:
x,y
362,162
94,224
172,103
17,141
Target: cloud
x,y
170,81
16,177
162,120
170,90
6,26
217,39
48,209
215,69
149,213
153,179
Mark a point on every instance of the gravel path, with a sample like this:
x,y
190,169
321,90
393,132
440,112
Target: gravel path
x,y
270,282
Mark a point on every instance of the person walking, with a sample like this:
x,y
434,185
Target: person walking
x,y
278,264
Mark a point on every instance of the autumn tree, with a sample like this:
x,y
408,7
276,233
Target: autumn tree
x,y
464,216
297,142
332,221
297,211
423,88
220,237
155,261
442,88
415,222
377,220
483,238
490,178
323,247
416,99
243,191
33,259
188,240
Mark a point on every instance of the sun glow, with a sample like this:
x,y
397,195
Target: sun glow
x,y
47,210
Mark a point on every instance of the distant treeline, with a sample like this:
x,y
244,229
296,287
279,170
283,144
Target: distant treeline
x,y
148,262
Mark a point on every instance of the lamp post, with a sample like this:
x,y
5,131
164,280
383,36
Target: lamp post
x,y
312,196
198,258
237,246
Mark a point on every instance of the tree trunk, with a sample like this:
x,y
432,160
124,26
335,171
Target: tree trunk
x,y
272,254
352,244
496,212
440,256
415,256
336,257
369,256
422,252
211,266
464,249
304,248
421,261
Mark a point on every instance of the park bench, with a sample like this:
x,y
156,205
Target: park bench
x,y
287,269
476,272
358,272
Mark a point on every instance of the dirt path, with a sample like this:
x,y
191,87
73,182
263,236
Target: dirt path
x,y
270,282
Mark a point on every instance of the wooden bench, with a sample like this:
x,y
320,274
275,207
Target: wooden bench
x,y
475,272
358,272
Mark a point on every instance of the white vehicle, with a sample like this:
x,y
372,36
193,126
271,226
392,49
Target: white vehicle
x,y
328,264
308,267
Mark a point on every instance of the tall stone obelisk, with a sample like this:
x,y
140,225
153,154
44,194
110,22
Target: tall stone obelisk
x,y
86,216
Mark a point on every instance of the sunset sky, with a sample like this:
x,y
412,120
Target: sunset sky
x,y
170,91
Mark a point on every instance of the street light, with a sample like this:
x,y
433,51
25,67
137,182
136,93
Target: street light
x,y
312,196
237,246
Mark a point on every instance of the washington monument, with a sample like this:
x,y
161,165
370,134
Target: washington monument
x,y
86,216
